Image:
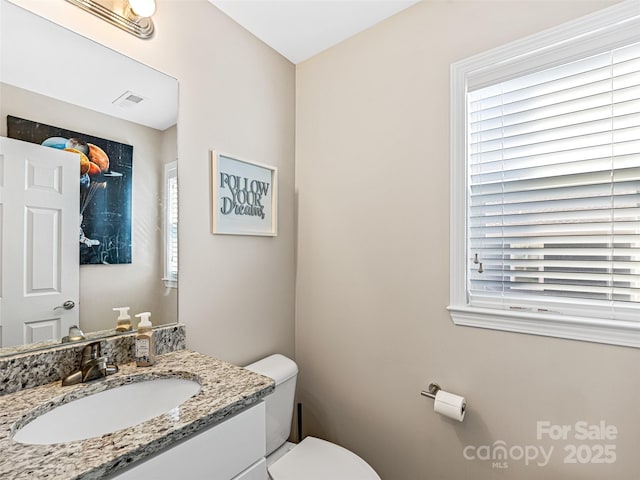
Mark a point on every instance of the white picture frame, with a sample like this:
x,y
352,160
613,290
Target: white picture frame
x,y
244,196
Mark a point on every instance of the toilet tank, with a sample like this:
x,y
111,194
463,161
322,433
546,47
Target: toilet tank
x,y
279,404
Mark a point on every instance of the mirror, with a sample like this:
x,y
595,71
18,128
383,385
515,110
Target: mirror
x,y
55,77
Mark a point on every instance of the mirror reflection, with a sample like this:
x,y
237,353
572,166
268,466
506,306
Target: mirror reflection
x,y
53,77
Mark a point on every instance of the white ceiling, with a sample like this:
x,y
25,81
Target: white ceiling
x,y
299,29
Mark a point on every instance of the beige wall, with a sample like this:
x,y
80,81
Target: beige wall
x,y
236,294
372,181
139,283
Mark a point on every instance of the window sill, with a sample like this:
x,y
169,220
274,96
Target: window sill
x,y
170,283
551,325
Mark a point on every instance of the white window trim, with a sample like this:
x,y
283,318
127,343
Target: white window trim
x,y
592,34
170,171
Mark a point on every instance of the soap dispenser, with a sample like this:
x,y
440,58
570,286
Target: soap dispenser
x,y
144,341
124,320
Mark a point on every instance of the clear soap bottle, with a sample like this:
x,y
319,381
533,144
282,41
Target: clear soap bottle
x,y
145,355
124,320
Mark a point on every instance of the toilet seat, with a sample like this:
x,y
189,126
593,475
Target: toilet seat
x,y
315,459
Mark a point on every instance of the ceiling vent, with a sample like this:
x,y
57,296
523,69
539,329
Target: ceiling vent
x,y
128,99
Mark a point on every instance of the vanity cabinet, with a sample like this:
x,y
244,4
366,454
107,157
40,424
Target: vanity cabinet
x,y
231,450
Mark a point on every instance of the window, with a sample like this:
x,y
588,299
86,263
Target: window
x,y
171,224
546,182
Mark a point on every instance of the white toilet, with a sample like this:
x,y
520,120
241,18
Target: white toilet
x,y
311,459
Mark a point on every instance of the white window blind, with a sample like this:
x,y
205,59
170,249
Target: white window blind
x,y
171,224
553,179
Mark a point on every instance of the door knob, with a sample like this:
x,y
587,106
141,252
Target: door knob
x,y
68,305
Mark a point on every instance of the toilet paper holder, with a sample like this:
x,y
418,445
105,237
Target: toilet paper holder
x,y
433,388
452,405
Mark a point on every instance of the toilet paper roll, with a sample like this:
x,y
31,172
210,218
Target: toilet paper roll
x,y
450,405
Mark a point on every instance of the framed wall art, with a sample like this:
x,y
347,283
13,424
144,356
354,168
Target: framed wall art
x,y
105,177
244,196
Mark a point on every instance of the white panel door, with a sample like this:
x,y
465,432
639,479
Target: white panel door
x,y
39,232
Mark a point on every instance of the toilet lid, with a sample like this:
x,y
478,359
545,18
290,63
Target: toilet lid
x,y
315,459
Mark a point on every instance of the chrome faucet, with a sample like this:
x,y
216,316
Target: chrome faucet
x,y
92,366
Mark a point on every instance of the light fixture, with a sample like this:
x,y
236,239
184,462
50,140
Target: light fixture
x,y
133,16
143,8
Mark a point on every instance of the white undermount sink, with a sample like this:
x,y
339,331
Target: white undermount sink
x,y
107,411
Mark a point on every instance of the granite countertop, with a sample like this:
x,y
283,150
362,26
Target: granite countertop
x,y
226,389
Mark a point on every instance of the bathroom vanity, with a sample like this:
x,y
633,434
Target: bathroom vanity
x,y
217,433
